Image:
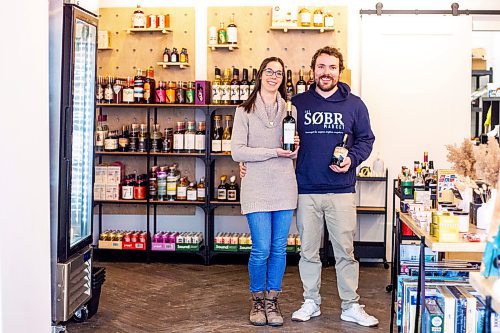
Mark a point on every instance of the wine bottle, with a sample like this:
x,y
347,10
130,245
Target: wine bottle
x,y
217,135
301,83
232,32
340,152
289,127
290,91
222,189
226,135
233,190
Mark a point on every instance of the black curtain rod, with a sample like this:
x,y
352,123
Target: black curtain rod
x,y
454,11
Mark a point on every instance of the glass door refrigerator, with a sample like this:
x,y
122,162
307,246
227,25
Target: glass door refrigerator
x,y
73,128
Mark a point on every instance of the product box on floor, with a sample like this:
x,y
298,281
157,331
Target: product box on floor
x,y
177,241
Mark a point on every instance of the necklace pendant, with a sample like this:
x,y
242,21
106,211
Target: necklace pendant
x,y
271,123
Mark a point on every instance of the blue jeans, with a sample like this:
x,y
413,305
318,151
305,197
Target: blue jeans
x,y
266,266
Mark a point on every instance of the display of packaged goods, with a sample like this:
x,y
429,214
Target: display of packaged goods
x,y
123,240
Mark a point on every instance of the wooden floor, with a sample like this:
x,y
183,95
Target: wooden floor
x,y
162,297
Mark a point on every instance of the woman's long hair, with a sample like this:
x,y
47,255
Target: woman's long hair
x,y
250,102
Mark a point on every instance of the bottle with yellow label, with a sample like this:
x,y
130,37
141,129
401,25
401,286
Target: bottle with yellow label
x,y
318,19
305,17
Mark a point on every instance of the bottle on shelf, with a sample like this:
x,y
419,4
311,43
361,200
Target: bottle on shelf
x,y
171,181
301,83
252,83
217,135
329,21
311,79
199,144
180,93
160,93
166,55
318,18
156,139
99,89
143,138
407,183
431,183
201,190
153,183
227,133
226,87
128,187
168,140
289,128
149,85
190,137
138,18
128,91
190,92
222,189
182,188
123,140
244,86
232,32
425,164
212,35
221,34
139,87
191,192
235,87
183,55
162,177
101,132
108,90
111,141
419,180
216,87
174,57
140,187
340,152
117,91
290,91
179,137
305,17
233,190
134,138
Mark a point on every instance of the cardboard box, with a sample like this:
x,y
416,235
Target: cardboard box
x,y
116,245
141,246
101,174
112,192
285,16
479,53
226,247
202,92
114,174
187,247
478,65
99,192
103,39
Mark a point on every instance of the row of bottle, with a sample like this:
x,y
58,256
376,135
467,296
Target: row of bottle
x,y
143,89
174,56
151,21
222,35
424,175
233,91
316,18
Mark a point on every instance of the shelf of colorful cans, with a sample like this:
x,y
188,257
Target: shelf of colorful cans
x,y
432,243
319,29
230,47
181,65
484,285
162,30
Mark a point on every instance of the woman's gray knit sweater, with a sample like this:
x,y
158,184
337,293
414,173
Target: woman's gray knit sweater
x,y
270,183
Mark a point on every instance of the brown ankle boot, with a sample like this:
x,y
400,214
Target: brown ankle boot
x,y
258,313
273,311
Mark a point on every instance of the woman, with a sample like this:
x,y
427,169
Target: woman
x,y
269,189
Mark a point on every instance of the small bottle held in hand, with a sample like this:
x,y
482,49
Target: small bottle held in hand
x,y
289,128
340,152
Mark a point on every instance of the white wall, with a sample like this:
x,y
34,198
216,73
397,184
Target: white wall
x,y
24,221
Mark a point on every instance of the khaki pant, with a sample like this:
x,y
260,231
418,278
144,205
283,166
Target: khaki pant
x,y
339,212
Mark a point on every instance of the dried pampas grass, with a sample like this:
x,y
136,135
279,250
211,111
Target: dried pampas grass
x,y
463,159
488,161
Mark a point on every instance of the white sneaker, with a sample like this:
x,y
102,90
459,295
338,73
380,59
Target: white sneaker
x,y
356,314
308,310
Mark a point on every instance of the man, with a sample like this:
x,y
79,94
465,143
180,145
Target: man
x,y
325,113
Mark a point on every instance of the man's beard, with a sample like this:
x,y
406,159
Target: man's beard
x,y
327,88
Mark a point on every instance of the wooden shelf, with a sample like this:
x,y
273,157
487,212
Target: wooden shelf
x,y
370,210
286,29
179,154
230,47
431,242
225,203
121,201
220,155
105,48
162,30
371,179
177,202
181,65
121,153
485,288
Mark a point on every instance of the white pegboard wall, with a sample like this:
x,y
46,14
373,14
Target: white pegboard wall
x,y
141,50
257,41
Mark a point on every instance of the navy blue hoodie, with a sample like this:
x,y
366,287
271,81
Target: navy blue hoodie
x,y
321,124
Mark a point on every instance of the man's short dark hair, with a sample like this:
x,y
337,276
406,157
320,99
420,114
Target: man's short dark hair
x,y
330,51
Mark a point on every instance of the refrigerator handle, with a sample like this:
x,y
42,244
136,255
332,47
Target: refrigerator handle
x,y
67,109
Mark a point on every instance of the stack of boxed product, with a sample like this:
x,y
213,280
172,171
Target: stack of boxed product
x,y
177,241
107,181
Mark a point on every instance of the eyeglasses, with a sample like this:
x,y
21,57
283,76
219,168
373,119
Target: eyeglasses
x,y
270,72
